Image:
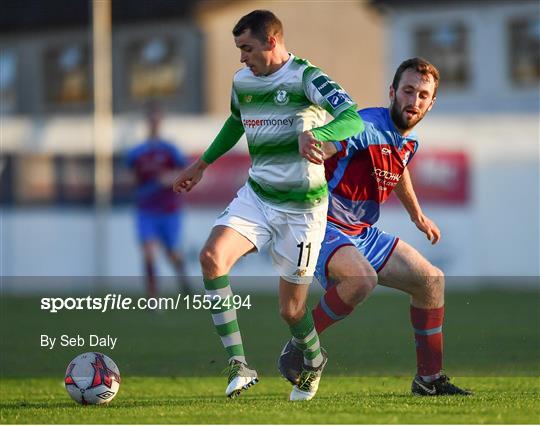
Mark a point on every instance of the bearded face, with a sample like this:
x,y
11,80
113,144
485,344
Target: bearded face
x,y
405,117
412,99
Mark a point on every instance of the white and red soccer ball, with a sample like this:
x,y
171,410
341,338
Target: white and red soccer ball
x,y
92,378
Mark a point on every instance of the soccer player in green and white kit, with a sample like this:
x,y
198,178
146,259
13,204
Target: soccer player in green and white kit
x,y
279,101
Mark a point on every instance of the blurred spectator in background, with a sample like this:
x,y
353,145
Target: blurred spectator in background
x,y
155,162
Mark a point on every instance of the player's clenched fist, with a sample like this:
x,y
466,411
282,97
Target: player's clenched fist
x,y
190,176
310,148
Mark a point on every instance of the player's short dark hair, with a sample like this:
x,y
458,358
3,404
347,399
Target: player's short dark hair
x,y
420,65
261,23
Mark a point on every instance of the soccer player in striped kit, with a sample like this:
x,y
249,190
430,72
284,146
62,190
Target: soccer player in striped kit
x,y
280,102
355,255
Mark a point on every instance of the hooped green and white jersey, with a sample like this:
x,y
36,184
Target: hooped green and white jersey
x,y
274,110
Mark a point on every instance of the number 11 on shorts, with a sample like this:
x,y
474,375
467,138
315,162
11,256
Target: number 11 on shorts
x,y
301,247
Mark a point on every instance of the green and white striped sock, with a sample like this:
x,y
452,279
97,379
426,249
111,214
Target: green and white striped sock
x,y
305,338
225,318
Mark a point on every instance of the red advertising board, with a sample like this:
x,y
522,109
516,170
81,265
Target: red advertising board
x,y
439,177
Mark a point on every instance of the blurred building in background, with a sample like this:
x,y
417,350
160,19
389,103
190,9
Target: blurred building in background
x,y
181,54
487,51
477,173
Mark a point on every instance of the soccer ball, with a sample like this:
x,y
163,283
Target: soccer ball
x,y
92,378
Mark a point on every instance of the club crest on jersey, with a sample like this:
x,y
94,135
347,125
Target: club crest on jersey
x,y
248,99
281,97
406,158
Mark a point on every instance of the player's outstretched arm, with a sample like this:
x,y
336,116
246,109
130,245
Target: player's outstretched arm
x,y
228,136
190,176
405,192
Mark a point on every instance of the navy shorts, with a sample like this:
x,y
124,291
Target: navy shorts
x,y
374,244
163,227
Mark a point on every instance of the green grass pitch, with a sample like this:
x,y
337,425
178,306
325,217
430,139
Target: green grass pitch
x,y
340,400
170,365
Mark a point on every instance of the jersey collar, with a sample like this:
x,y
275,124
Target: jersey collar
x,y
280,71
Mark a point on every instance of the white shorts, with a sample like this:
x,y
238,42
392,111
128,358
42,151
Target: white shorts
x,y
295,238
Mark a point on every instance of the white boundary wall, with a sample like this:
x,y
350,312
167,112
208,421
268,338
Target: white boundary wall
x,y
496,234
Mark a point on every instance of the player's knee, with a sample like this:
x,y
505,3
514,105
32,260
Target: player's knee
x,y
148,252
434,284
148,256
174,255
364,280
210,261
369,279
292,313
358,287
438,277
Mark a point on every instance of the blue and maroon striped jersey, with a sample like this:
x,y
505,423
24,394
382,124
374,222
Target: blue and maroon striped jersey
x,y
150,160
365,170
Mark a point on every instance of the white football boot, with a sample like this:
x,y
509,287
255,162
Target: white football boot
x,y
308,382
241,377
